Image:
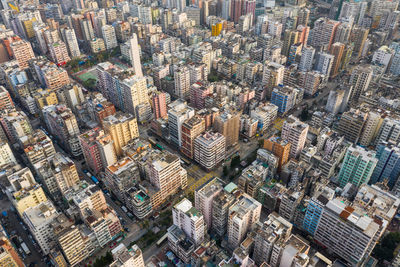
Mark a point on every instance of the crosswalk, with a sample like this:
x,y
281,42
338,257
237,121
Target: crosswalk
x,y
197,177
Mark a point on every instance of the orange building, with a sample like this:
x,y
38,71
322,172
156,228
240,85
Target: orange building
x,y
22,51
279,148
191,128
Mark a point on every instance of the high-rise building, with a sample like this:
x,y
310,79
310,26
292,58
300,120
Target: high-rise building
x,y
220,210
265,115
109,37
324,63
190,220
388,166
353,231
303,16
357,167
209,149
359,35
6,155
273,231
351,124
335,100
337,50
38,220
22,52
15,125
8,255
182,82
54,77
204,197
159,104
58,52
198,94
389,131
126,258
284,98
25,192
135,56
307,57
178,113
290,37
37,146
98,149
371,127
280,148
191,128
72,42
62,124
295,132
134,93
228,124
167,176
323,32
5,99
272,76
122,127
242,217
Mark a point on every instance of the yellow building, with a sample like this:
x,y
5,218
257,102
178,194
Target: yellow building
x,y
28,27
45,98
25,199
8,256
216,29
123,128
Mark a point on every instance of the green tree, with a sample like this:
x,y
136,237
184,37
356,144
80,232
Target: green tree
x,y
90,83
304,114
385,249
235,161
225,171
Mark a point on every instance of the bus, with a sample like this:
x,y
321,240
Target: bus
x,y
25,248
159,147
162,239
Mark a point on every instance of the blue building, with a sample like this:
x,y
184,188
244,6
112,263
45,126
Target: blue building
x,y
284,98
388,166
313,214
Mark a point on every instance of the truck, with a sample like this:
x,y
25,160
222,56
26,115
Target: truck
x,y
25,248
94,179
124,209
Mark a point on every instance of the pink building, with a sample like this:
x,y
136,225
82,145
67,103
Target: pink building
x,y
159,105
198,94
97,148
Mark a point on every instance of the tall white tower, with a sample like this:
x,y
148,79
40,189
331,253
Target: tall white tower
x,y
135,56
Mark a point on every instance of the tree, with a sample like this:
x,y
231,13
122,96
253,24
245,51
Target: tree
x,y
225,171
385,249
235,161
304,114
90,83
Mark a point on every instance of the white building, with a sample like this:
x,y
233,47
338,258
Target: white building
x,y
38,220
135,55
6,155
209,149
110,39
204,197
295,132
127,258
307,57
383,56
189,219
178,112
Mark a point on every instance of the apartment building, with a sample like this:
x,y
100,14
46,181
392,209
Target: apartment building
x,y
209,149
295,132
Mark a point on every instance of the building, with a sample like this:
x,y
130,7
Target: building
x,y
204,197
279,147
273,231
189,220
324,63
191,129
335,100
122,127
337,50
242,217
134,94
6,155
228,124
272,76
24,192
209,149
127,258
389,131
371,128
97,45
351,124
159,105
307,58
167,176
58,52
388,166
109,37
135,56
198,94
5,99
15,125
182,82
284,98
22,52
37,146
357,167
38,219
72,42
295,132
62,124
351,232
8,255
323,32
74,245
178,113
360,79
382,56
265,115
98,149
